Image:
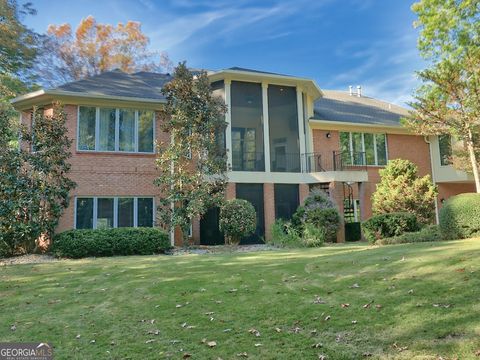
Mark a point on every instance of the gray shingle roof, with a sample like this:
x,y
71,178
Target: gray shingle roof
x,y
143,84
341,106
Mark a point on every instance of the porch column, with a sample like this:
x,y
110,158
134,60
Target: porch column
x,y
362,196
266,128
269,208
301,125
228,119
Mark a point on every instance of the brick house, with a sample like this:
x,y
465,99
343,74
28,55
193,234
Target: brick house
x,y
285,136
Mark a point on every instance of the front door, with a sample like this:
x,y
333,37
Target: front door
x,y
254,194
210,233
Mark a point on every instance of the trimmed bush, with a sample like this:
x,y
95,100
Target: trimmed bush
x,y
426,234
460,216
320,211
389,225
110,242
237,219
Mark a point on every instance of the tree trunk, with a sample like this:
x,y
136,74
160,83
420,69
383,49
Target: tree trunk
x,y
473,160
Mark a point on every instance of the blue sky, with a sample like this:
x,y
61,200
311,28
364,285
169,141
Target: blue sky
x,y
336,42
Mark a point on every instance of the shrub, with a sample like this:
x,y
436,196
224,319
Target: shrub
x,y
320,211
402,190
110,242
388,225
426,234
284,234
237,219
313,236
460,217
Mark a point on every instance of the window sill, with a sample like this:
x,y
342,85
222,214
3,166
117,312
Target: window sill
x,y
114,153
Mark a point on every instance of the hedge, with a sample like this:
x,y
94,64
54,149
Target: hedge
x,y
460,216
388,225
110,242
426,234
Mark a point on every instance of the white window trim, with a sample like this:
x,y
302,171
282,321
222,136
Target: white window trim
x,y
115,209
117,133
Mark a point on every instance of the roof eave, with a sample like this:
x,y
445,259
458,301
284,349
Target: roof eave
x,y
40,96
312,87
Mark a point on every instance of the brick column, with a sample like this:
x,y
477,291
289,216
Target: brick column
x,y
336,194
231,191
269,208
303,192
362,196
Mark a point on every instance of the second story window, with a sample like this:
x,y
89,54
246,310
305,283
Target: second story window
x,y
110,129
445,148
363,148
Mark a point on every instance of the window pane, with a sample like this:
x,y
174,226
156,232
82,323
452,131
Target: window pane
x,y
381,149
369,149
445,145
126,128
125,212
345,148
357,149
283,127
145,212
105,213
86,128
145,131
84,218
247,127
107,130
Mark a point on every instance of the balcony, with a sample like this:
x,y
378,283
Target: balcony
x,y
336,161
300,163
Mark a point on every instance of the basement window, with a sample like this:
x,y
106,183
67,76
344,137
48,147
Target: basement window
x,y
113,212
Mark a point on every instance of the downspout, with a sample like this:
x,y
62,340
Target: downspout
x,y
432,167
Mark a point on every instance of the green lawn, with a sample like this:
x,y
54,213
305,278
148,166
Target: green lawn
x,y
415,301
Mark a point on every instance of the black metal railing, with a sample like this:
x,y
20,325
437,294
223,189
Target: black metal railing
x,y
248,161
336,161
289,162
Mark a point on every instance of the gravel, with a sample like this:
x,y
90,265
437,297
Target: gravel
x,y
27,259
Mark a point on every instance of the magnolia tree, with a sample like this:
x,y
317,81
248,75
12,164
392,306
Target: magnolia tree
x,y
193,162
448,101
402,190
34,187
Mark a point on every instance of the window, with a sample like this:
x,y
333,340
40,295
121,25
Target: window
x,y
86,128
363,148
286,200
445,147
108,129
110,212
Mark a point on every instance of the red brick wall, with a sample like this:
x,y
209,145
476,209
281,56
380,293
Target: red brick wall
x,y
269,208
446,190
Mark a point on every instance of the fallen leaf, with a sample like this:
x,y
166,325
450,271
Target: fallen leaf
x,y
366,306
233,290
211,344
187,356
13,327
78,336
367,354
378,306
153,332
322,357
227,330
92,341
318,300
399,348
178,306
203,290
410,291
149,341
317,345
258,344
254,332
460,270
243,354
354,286
328,317
477,353
313,332
345,305
278,330
209,313
354,322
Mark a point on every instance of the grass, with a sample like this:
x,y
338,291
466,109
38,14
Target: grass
x,y
424,303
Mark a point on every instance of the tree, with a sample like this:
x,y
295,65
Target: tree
x,y
18,50
95,48
237,220
193,163
401,190
448,101
34,187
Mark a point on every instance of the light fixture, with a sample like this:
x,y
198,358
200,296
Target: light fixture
x,y
328,135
